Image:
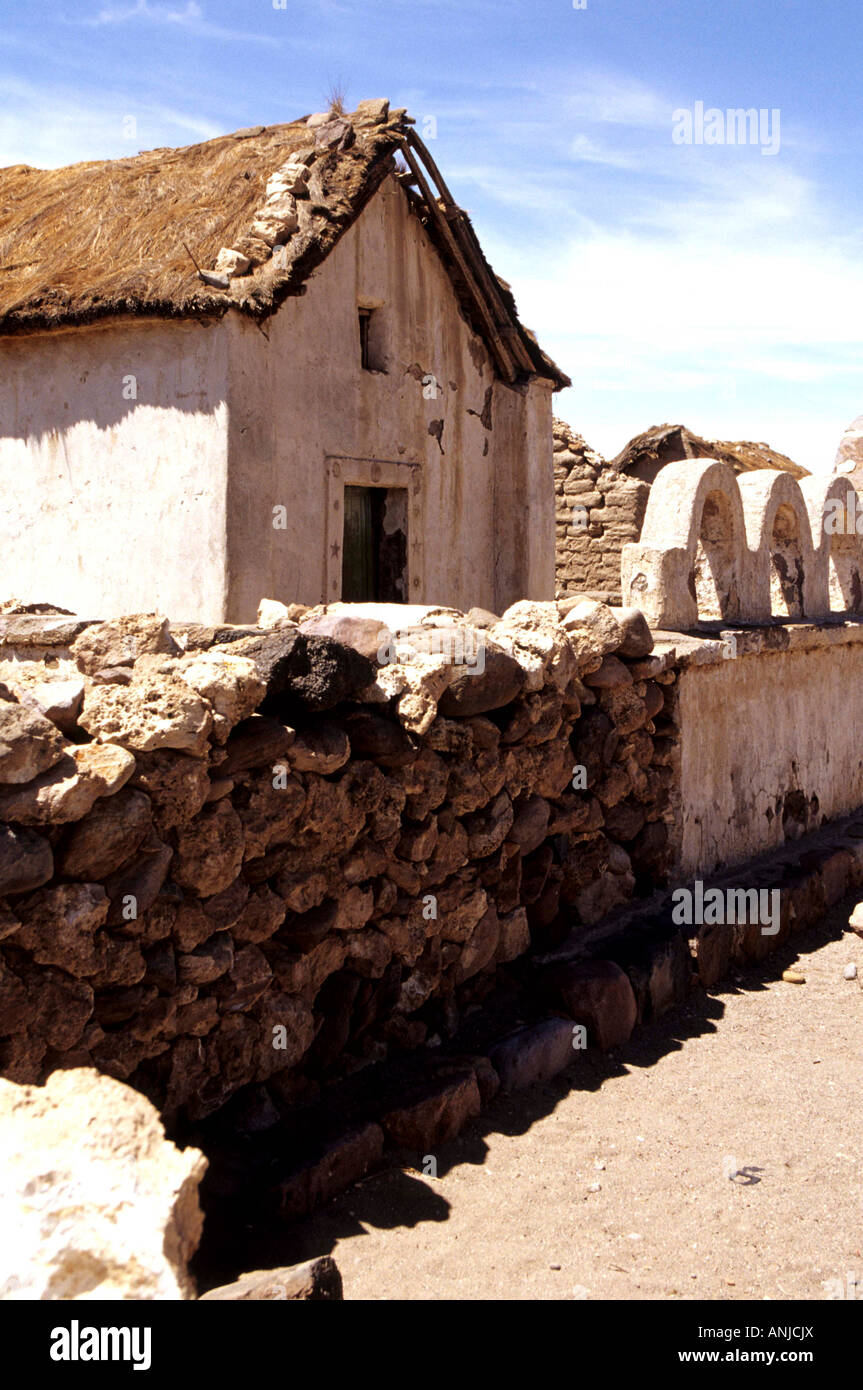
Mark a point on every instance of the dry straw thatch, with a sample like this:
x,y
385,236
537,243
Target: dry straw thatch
x,y
129,236
107,237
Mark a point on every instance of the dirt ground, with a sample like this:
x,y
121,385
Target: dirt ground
x,y
717,1156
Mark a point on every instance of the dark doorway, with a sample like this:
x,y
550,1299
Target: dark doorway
x,y
374,545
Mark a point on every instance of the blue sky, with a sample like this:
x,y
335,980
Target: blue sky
x,y
711,284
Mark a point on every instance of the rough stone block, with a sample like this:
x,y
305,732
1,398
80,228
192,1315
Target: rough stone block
x,y
534,1054
316,1280
344,1161
436,1116
598,995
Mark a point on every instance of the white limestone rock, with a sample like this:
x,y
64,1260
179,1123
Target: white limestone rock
x,y
95,1203
291,177
276,220
593,630
532,634
156,711
426,677
271,613
230,684
232,263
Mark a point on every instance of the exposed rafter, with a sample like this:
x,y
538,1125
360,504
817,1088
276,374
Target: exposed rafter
x,y
459,243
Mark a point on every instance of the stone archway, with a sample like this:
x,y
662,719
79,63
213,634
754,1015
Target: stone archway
x,y
836,521
785,572
690,564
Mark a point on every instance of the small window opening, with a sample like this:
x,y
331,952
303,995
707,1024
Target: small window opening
x,y
365,325
372,325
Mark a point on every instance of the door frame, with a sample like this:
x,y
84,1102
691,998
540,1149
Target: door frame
x,y
344,471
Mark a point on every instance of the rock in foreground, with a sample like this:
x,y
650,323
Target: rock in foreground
x,y
316,1280
95,1203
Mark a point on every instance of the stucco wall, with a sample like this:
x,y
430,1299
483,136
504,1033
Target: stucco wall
x,y
770,742
112,503
118,495
305,417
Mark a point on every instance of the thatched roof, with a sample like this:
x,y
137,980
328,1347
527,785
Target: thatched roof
x,y
130,236
647,453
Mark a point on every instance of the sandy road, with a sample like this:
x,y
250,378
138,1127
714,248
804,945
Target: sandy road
x,y
613,1181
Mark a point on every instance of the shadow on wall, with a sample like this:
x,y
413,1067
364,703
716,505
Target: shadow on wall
x,y
750,549
95,378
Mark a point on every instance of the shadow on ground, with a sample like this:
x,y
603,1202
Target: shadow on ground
x,y
238,1239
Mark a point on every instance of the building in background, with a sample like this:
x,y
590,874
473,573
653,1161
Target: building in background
x,y
273,364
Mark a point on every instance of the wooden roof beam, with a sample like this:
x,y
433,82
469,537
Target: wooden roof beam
x,y
463,232
499,347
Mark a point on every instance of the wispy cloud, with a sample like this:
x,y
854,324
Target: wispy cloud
x,y
604,98
674,283
588,151
745,335
52,127
161,117
190,17
142,9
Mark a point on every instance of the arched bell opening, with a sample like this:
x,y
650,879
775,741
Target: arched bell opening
x,y
840,521
715,576
786,564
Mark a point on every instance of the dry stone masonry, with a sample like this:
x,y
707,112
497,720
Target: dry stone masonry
x,y
301,197
275,855
320,887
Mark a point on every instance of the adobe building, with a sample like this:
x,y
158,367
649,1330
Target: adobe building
x,y
273,364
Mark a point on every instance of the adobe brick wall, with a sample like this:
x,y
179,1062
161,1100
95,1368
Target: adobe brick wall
x,y
597,510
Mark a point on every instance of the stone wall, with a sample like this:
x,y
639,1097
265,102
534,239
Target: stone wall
x,y
273,856
598,510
